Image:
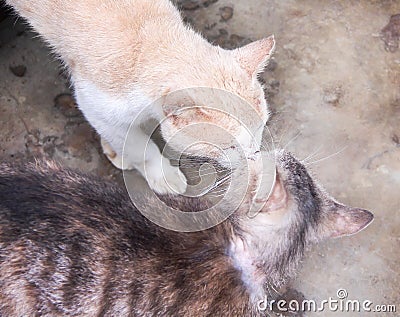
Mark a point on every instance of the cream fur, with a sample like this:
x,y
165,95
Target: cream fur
x,y
125,54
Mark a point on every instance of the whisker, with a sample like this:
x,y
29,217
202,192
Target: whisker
x,y
284,132
329,156
202,174
291,140
312,155
219,190
272,138
217,194
272,286
219,183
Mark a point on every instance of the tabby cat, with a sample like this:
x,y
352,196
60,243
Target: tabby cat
x,y
74,245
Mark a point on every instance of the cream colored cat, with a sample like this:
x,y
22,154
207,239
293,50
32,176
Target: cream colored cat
x,y
125,54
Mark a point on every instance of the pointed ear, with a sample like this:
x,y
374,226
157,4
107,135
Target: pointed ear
x,y
254,57
277,198
342,220
272,207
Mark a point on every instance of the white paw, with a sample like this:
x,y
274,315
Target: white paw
x,y
113,157
165,178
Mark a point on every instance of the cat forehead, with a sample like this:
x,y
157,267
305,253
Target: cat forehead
x,y
295,174
217,106
249,110
229,77
250,91
302,188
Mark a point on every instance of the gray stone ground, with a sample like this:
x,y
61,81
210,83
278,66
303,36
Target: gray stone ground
x,y
334,86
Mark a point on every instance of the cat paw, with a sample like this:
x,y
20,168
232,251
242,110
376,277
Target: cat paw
x,y
166,179
112,156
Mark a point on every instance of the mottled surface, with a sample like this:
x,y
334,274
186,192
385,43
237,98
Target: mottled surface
x,y
33,122
335,90
391,33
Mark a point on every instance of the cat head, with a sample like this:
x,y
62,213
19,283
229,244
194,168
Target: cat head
x,y
268,245
219,101
268,232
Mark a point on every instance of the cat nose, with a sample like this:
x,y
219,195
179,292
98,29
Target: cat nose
x,y
254,156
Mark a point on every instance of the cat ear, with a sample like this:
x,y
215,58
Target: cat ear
x,y
278,197
254,57
343,220
272,207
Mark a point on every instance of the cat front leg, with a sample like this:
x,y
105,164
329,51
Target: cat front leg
x,y
112,156
137,151
162,177
141,153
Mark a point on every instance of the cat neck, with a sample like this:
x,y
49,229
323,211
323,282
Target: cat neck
x,y
260,255
246,262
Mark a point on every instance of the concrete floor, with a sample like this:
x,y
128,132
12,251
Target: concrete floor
x,y
335,91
